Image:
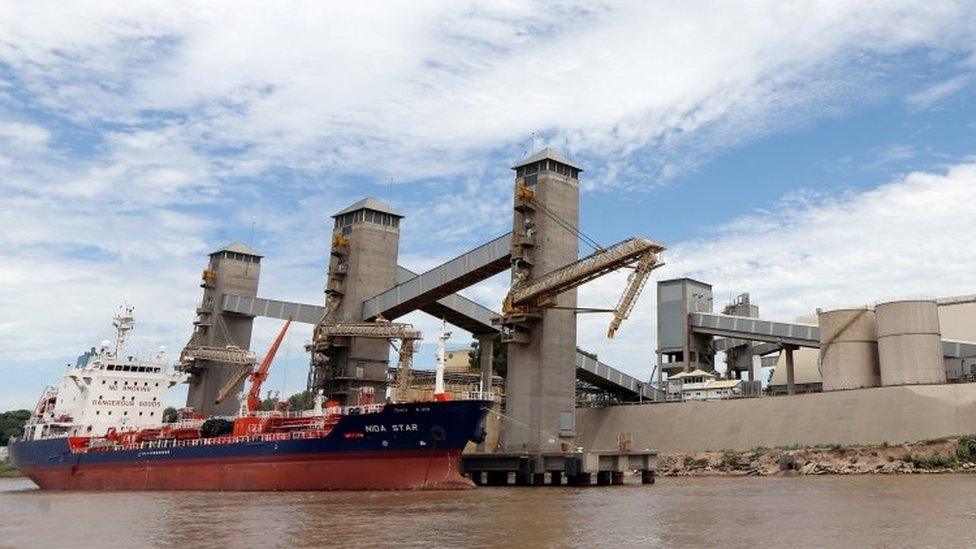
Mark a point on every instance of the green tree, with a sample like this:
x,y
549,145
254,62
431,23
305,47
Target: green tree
x,y
499,358
12,424
304,400
270,403
170,414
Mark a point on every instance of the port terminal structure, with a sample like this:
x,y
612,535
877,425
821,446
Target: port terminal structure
x,y
538,324
855,349
687,327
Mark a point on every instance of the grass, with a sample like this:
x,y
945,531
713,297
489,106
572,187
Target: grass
x,y
938,461
7,470
966,448
731,460
936,440
693,463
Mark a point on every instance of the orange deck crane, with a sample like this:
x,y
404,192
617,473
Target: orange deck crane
x,y
257,377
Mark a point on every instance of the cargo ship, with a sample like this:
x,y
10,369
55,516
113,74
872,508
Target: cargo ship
x,y
102,428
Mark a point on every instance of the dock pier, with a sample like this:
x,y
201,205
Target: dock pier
x,y
558,468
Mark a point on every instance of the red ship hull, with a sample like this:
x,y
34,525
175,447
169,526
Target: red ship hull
x,y
420,470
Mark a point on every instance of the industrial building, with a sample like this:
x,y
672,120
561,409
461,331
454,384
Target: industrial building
x,y
557,399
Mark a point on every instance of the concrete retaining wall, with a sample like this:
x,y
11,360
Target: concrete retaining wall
x,y
861,416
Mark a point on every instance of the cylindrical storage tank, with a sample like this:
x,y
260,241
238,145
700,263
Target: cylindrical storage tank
x,y
848,349
910,343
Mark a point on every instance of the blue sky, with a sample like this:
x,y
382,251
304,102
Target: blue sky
x,y
814,154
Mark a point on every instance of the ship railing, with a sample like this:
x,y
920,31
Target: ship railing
x,y
479,395
315,431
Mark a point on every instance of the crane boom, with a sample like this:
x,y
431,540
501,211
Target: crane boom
x,y
541,291
261,372
229,355
581,271
635,284
234,380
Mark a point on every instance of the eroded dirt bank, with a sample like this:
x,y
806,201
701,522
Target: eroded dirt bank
x,y
931,456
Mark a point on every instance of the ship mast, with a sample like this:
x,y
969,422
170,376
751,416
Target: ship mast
x,y
442,336
123,322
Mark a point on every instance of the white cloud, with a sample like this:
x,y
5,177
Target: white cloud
x,y
18,133
937,92
414,91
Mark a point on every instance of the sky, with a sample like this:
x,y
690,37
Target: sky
x,y
814,154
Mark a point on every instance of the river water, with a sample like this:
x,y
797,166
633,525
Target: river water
x,y
848,511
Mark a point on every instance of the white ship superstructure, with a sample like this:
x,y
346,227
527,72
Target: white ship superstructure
x,y
106,390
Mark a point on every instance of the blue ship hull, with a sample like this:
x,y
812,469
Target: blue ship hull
x,y
404,446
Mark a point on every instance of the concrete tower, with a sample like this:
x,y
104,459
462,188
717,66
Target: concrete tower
x,y
365,242
233,269
678,348
541,381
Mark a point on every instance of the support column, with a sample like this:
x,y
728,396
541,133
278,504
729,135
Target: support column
x,y
647,476
660,395
497,478
581,479
486,344
790,384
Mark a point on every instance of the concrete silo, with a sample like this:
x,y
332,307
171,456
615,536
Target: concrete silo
x,y
910,343
848,349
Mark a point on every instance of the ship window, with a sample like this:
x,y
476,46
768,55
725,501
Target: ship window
x,y
111,366
110,412
140,413
157,385
145,383
98,412
103,382
125,413
152,413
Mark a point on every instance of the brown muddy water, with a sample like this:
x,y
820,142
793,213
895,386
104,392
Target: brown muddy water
x,y
834,511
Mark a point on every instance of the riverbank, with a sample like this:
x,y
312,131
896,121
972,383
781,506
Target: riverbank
x,y
948,455
7,470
